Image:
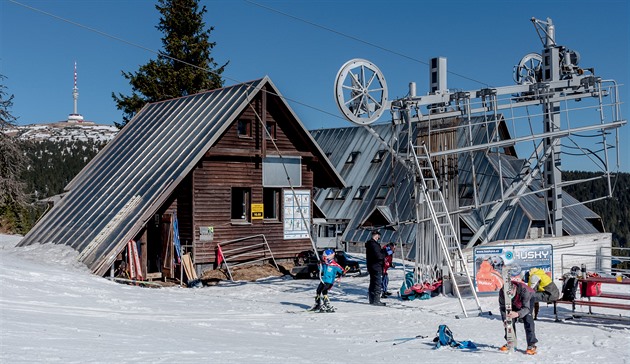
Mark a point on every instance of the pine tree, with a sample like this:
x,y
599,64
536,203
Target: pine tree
x,y
12,161
184,67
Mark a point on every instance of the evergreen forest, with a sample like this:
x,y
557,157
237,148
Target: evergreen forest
x,y
53,164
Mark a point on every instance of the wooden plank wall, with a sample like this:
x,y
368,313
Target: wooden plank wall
x,y
237,162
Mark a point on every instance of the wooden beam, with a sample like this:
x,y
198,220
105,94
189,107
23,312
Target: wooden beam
x,y
264,122
234,152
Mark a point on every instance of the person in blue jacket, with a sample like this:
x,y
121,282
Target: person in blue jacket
x,y
329,271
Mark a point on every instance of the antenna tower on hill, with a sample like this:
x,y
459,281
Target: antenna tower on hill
x,y
75,117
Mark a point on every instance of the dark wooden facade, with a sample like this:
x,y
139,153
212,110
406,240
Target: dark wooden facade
x,y
203,199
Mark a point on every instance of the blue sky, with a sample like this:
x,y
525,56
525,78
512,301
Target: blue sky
x,y
482,40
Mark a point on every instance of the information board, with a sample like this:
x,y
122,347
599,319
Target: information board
x,y
297,224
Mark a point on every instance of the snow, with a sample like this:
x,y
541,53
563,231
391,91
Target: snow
x,y
63,131
52,309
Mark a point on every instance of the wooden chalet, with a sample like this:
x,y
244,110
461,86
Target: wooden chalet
x,y
227,165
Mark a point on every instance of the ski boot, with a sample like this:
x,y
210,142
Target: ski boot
x,y
318,304
326,307
531,350
508,347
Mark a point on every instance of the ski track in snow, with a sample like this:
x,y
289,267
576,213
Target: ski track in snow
x,y
54,310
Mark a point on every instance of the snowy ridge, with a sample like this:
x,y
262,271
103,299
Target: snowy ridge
x,y
55,311
85,131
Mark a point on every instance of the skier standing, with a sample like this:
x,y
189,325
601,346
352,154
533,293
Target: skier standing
x,y
329,270
374,259
388,262
522,303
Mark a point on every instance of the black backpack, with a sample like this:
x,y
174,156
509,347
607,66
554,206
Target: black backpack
x,y
569,287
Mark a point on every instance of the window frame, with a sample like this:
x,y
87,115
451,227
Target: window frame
x,y
343,193
378,157
248,128
244,195
332,193
277,204
352,158
382,192
360,194
271,128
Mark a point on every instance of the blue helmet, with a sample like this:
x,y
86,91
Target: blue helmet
x,y
328,256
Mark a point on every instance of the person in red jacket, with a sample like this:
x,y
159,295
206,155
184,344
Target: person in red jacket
x,y
488,279
389,250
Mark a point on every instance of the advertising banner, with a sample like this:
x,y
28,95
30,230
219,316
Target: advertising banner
x,y
489,261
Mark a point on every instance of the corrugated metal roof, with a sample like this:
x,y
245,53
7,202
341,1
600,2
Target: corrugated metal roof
x,y
123,186
341,142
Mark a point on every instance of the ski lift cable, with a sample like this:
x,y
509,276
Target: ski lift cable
x,y
361,40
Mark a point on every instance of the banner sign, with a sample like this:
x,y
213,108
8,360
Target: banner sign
x,y
489,261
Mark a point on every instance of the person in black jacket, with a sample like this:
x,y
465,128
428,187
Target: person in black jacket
x,y
374,260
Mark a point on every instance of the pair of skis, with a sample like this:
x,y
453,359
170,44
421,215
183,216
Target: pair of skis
x,y
510,335
133,261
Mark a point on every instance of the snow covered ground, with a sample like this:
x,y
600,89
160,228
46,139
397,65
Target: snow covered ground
x,y
52,309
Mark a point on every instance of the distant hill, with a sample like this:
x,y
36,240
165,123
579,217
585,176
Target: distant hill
x,y
64,131
57,152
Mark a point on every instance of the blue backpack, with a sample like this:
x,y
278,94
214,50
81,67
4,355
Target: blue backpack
x,y
445,338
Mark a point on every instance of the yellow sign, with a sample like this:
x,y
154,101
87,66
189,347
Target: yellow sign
x,y
257,211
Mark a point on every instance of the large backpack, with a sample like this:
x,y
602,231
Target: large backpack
x,y
569,287
444,337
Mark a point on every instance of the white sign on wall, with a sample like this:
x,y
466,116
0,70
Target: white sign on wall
x,y
297,214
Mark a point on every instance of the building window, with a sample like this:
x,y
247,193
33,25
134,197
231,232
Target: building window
x,y
240,204
271,203
360,192
382,191
378,157
353,157
244,128
332,194
344,193
271,130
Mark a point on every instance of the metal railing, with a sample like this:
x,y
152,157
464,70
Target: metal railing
x,y
255,252
598,259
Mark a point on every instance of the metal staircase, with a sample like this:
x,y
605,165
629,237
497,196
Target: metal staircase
x,y
444,229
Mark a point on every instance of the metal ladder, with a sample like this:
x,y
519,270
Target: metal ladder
x,y
444,229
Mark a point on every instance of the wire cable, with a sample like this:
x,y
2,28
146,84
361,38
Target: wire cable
x,y
162,54
359,40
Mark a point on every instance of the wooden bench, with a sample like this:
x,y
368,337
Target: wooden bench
x,y
617,296
604,280
619,306
587,301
